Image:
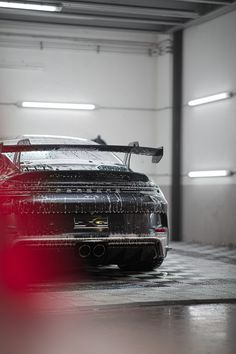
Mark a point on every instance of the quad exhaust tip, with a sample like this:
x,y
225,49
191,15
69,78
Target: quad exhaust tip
x,y
84,251
99,251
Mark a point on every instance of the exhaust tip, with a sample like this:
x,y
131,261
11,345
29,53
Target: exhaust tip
x,y
84,251
99,251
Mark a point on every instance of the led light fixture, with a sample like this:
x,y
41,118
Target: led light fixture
x,y
30,6
54,105
212,98
216,173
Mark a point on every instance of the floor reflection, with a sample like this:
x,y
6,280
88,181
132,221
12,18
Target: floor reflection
x,y
132,330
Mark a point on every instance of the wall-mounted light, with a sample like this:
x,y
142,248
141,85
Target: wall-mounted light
x,y
31,6
212,98
55,105
215,173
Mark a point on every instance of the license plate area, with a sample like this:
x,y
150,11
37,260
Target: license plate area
x,y
91,223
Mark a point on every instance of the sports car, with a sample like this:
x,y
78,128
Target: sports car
x,y
72,194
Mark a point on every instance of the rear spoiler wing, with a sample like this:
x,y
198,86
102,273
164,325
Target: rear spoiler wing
x,y
156,153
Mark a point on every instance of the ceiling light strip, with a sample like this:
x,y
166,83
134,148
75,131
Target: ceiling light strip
x,y
30,6
212,173
56,105
209,99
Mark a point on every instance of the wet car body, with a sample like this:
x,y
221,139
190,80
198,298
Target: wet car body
x,y
55,194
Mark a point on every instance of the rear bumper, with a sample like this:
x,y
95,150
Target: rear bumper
x,y
111,243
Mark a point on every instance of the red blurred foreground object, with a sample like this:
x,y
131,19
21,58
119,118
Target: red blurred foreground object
x,y
23,271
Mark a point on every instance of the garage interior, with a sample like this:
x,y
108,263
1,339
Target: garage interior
x,y
141,64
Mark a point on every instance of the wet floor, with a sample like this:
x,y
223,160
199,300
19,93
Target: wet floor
x,y
143,329
190,274
188,305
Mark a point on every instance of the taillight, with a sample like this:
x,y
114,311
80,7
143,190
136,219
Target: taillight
x,y
161,231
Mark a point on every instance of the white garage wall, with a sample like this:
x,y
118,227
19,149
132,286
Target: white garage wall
x,y
209,131
126,82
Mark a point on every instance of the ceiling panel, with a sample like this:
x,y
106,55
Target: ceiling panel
x,y
160,16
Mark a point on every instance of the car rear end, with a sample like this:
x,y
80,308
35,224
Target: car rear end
x,y
102,213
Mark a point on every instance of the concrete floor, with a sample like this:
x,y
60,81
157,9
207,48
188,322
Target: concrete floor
x,y
186,306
